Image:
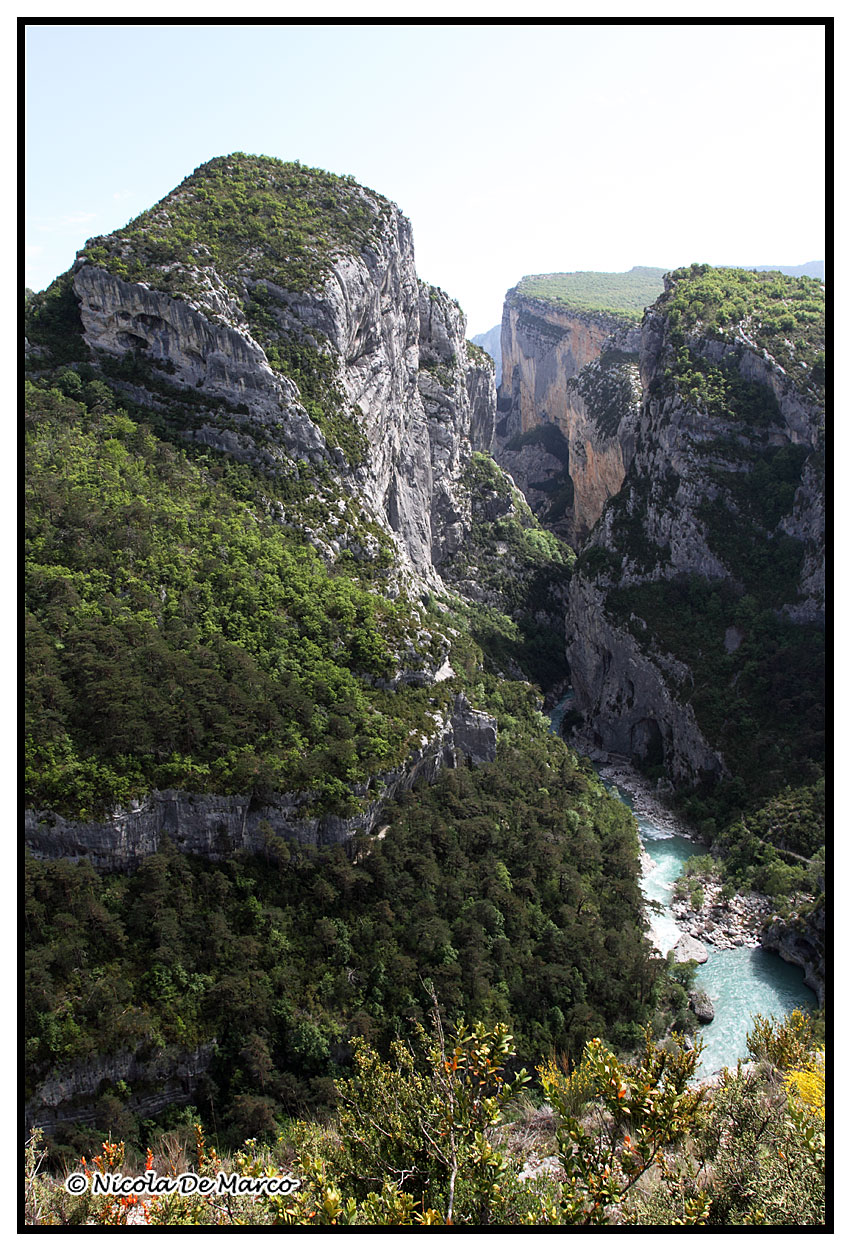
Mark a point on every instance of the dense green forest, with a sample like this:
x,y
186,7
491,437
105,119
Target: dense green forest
x,y
183,632
178,637
511,888
624,295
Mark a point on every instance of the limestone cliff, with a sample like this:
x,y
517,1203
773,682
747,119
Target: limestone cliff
x,y
457,394
628,694
491,343
217,358
216,826
567,406
289,331
228,328
80,1093
722,497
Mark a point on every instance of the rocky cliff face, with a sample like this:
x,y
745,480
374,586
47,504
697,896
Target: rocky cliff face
x,y
216,826
363,325
163,1076
629,696
567,407
491,342
293,335
459,403
219,359
724,487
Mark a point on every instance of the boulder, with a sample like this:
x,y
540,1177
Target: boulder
x,y
689,948
701,1006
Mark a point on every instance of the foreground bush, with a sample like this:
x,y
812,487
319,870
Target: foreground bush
x,y
434,1136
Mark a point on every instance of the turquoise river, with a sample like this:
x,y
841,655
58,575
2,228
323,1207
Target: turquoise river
x,y
740,982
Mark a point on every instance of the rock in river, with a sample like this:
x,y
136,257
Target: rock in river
x,y
701,1006
689,948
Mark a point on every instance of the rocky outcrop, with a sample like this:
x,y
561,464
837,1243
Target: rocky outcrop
x,y
801,942
687,509
474,733
807,523
459,402
221,361
216,826
542,347
567,405
367,316
158,1077
629,697
691,453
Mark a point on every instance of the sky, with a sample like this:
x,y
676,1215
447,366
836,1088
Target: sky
x,y
513,149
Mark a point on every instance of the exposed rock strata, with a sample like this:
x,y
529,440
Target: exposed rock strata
x,y
167,1075
543,346
377,323
567,404
634,696
216,826
473,732
458,400
680,452
221,361
629,698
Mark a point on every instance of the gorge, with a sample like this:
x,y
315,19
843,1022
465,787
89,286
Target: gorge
x,y
299,579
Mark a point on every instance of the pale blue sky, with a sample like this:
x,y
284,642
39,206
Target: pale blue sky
x,y
513,149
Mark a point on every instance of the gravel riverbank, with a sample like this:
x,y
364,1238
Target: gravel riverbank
x,y
720,922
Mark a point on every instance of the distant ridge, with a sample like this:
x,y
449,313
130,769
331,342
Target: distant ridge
x,y
490,343
810,269
627,293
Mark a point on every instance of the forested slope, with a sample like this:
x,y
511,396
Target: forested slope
x,y
278,600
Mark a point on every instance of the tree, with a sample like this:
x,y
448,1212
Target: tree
x,y
416,1129
638,1111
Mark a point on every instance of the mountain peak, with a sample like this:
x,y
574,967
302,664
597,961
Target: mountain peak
x,y
283,220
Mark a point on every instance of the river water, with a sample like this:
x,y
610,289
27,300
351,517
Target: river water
x,y
740,982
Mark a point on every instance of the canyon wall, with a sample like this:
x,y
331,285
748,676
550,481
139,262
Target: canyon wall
x,y
723,492
386,405
371,321
567,405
